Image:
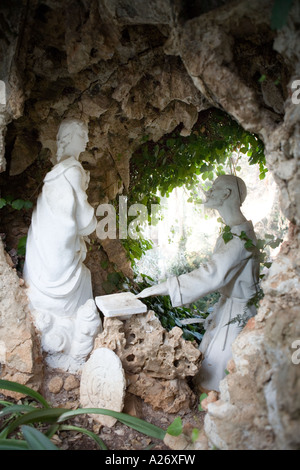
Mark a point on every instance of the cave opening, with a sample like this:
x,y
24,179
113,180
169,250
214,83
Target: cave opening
x,y
177,235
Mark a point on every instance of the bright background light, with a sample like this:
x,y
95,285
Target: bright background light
x,y
188,231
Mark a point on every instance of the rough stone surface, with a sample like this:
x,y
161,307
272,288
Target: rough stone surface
x,y
257,408
171,396
55,384
71,383
20,356
128,76
143,345
102,384
156,362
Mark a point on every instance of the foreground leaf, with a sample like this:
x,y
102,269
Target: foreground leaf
x,y
131,421
91,434
49,416
13,444
36,440
175,428
16,409
15,387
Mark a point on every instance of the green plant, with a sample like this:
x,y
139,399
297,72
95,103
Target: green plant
x,y
280,12
25,417
168,315
201,398
176,161
17,204
258,251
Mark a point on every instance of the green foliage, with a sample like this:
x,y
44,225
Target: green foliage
x,y
175,429
17,204
201,398
258,251
175,161
168,315
25,418
22,246
280,11
113,282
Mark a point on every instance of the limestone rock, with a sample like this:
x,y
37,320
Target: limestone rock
x,y
103,384
55,384
116,254
19,344
71,383
258,408
211,398
24,153
171,396
156,362
143,345
139,12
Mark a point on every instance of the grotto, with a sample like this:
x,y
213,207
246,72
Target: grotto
x,y
133,72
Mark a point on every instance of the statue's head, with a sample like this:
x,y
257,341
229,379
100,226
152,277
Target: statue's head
x,y
72,138
228,188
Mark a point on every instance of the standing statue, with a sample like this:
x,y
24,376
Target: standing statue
x,y
59,284
232,271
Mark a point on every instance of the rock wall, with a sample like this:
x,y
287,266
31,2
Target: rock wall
x,y
259,400
20,357
157,363
131,69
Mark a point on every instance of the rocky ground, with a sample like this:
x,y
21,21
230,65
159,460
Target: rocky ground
x,y
62,390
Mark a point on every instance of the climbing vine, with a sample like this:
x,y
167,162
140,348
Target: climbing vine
x,y
259,252
216,143
175,161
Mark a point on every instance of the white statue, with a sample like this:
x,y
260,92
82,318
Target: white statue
x,y
60,289
232,271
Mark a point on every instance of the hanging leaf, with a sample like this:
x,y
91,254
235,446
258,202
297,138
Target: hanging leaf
x,y
36,440
135,423
175,428
280,11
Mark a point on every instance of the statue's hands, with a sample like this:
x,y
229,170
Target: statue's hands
x,y
159,289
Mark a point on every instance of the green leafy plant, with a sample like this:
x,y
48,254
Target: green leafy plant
x,y
26,418
201,398
258,251
17,204
176,161
170,316
280,12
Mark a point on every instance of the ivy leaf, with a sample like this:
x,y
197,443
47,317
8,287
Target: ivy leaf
x,y
2,202
227,235
202,396
260,244
18,204
22,246
195,434
249,244
267,265
27,205
280,13
175,428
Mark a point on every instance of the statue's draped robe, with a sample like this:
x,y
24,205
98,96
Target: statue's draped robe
x,y
54,270
234,272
